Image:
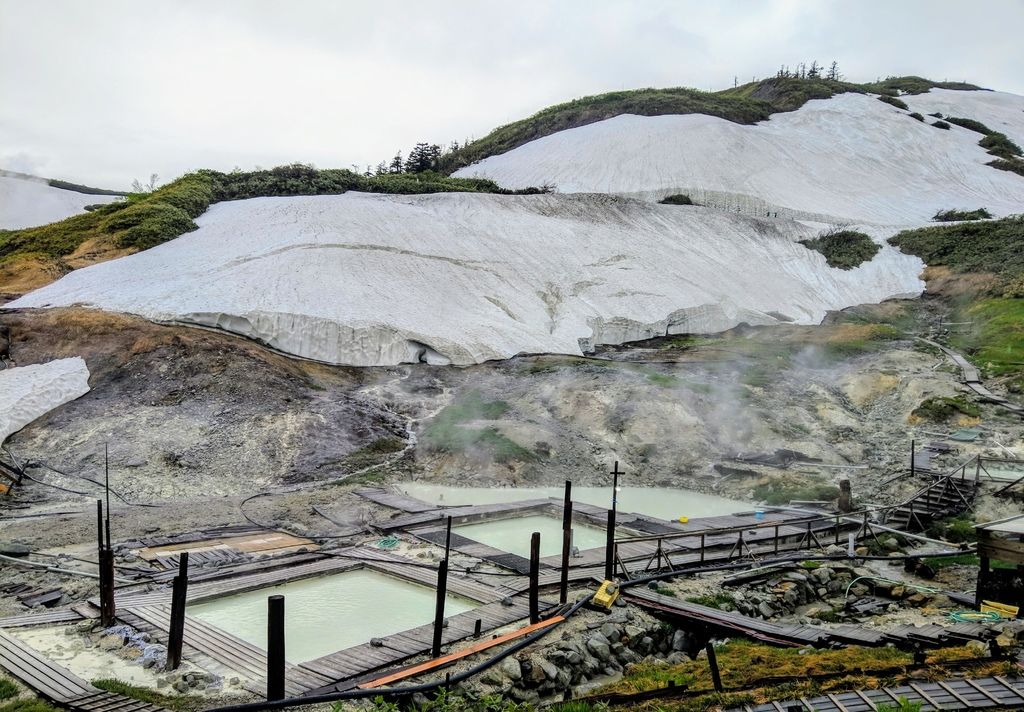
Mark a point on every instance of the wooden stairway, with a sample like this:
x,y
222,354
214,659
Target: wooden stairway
x,y
946,497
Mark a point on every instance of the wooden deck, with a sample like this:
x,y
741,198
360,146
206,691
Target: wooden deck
x,y
395,500
959,694
351,666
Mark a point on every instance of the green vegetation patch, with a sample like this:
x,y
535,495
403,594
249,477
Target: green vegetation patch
x,y
782,490
941,125
996,143
893,101
27,705
958,529
1008,165
676,199
970,125
451,431
844,249
996,246
722,601
7,689
997,339
941,408
144,694
917,116
960,215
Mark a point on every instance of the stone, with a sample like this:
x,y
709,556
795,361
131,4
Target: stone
x,y
511,669
765,610
645,646
181,686
162,682
600,647
835,550
680,641
861,551
612,632
519,694
110,642
891,544
633,632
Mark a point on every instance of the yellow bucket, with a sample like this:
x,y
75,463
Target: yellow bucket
x,y
684,519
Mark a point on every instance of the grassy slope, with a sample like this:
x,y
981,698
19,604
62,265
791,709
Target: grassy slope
x,y
995,248
746,104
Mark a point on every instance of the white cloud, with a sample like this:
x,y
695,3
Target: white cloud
x,y
105,91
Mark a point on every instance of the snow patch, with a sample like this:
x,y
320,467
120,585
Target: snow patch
x,y
850,158
463,278
29,392
27,203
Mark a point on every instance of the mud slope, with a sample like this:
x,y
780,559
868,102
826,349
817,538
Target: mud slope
x,y
190,413
849,158
465,278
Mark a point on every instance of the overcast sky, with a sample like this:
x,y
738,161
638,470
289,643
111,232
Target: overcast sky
x,y
104,91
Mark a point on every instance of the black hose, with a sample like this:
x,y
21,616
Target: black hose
x,y
411,689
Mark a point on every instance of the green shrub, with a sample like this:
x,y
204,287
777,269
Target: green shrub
x,y
970,124
893,101
960,215
958,530
937,115
147,224
677,199
941,125
915,115
844,249
1008,165
998,144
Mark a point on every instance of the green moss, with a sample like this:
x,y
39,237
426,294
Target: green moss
x,y
721,601
784,490
145,694
449,431
958,529
844,249
29,705
941,408
997,340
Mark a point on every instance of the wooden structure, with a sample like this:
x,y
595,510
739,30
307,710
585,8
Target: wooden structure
x,y
959,694
1001,540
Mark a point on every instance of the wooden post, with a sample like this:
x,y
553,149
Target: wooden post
x,y
982,583
713,662
535,577
108,607
275,648
913,447
563,585
99,524
845,495
442,593
609,547
477,627
176,635
448,538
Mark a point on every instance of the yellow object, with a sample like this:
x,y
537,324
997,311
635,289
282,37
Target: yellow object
x,y
1003,609
684,519
607,595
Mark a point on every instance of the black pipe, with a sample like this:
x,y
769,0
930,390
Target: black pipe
x,y
275,648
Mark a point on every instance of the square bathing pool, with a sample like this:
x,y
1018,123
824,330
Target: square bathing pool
x,y
513,535
329,613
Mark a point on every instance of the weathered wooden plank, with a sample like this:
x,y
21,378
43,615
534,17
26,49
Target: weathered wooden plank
x,y
38,673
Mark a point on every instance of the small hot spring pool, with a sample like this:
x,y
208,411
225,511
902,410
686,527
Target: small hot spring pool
x,y
513,535
330,613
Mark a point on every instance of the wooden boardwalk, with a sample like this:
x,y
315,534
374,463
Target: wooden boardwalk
x,y
59,684
231,652
907,637
971,378
958,694
395,500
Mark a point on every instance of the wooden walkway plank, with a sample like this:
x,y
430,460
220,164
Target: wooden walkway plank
x,y
39,673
